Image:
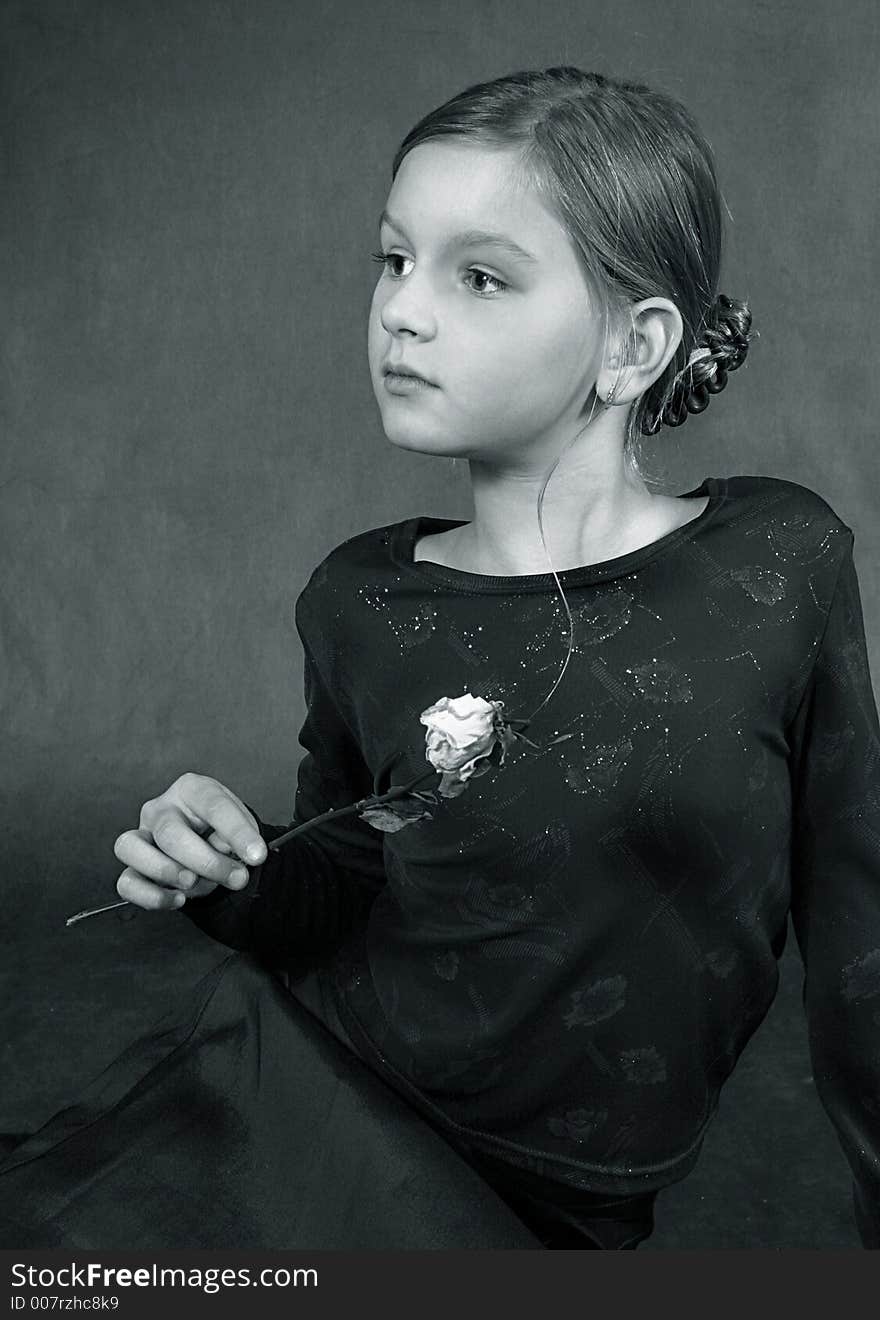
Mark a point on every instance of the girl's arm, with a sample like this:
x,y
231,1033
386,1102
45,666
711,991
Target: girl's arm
x,y
311,893
835,759
299,901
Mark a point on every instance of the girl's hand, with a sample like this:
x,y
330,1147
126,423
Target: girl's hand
x,y
182,846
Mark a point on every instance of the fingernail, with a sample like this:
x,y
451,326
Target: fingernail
x,y
255,851
186,877
238,876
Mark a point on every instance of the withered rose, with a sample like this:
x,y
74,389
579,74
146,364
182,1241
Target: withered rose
x,y
465,736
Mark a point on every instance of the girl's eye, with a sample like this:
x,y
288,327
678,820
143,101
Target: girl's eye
x,y
484,275
383,258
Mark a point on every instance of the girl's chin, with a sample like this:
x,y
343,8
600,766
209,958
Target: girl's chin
x,y
430,439
424,445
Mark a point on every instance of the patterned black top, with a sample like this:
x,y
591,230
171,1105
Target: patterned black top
x,y
564,963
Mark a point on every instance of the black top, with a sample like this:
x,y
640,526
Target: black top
x,y
564,963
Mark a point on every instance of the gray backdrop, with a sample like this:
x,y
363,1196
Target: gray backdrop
x,y
189,201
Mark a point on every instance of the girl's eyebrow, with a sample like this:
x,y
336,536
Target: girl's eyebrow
x,y
473,238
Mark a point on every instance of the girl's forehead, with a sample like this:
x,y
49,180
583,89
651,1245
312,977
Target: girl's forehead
x,y
471,169
450,185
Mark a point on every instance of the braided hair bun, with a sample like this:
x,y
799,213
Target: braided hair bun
x,y
721,348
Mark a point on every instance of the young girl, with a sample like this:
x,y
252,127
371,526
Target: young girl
x,y
652,716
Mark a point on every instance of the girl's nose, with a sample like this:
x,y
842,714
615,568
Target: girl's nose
x,y
407,309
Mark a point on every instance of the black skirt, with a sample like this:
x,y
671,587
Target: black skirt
x,y
247,1121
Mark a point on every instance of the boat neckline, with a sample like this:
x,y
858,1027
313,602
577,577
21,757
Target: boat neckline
x,y
408,533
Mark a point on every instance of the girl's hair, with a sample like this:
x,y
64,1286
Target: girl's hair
x,y
632,180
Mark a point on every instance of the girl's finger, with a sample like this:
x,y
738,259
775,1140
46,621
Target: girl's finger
x,y
137,849
172,835
205,799
217,841
146,894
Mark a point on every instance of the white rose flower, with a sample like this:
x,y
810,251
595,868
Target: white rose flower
x,y
465,736
462,734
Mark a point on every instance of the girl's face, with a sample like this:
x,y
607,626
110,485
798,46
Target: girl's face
x,y
511,341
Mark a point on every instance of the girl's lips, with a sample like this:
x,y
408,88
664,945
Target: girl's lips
x,y
400,368
396,384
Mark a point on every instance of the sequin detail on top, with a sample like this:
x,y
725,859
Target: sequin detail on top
x,y
660,681
409,631
597,620
761,584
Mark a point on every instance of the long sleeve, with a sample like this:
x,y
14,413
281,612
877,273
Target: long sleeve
x,y
835,745
308,896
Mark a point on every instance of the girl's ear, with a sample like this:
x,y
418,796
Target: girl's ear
x,y
639,358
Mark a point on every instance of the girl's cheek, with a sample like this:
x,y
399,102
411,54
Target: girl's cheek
x,y
376,336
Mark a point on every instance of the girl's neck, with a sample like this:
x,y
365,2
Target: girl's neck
x,y
589,517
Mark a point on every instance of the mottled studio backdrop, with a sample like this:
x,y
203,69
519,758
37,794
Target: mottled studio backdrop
x,y
189,199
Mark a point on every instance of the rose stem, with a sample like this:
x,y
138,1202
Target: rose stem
x,y
398,791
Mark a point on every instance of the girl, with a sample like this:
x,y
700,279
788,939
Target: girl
x,y
652,716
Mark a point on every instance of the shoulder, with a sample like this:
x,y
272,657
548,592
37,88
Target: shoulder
x,y
788,511
788,534
358,560
364,552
